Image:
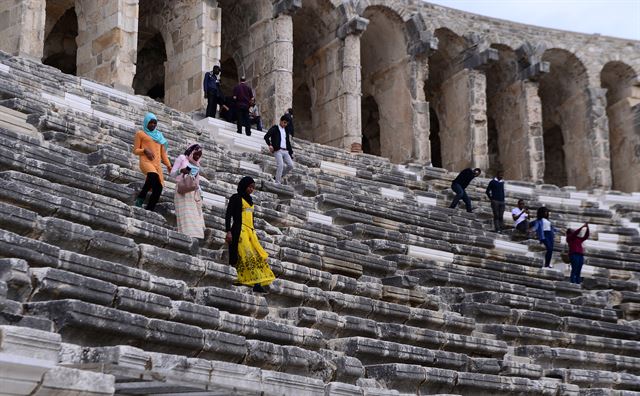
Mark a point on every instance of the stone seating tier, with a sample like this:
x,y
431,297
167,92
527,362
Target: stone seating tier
x,y
380,289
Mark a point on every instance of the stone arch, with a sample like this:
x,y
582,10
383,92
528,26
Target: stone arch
x,y
303,112
229,75
61,31
623,112
434,137
395,7
444,92
565,110
153,51
315,72
370,115
385,77
150,78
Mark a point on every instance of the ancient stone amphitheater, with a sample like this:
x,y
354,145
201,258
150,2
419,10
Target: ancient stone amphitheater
x,y
381,289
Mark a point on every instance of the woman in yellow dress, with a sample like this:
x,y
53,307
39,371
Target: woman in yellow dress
x,y
245,252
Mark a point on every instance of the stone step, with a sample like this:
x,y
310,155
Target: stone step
x,y
489,313
416,379
596,378
523,335
554,357
141,371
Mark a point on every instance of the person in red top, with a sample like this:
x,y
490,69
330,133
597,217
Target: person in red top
x,y
242,95
576,253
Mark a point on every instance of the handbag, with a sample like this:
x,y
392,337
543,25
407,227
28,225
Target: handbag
x,y
186,184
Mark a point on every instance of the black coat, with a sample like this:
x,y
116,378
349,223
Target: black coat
x,y
464,178
234,213
272,137
289,127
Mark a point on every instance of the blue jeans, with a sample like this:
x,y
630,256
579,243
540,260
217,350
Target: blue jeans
x,y
548,243
577,260
460,194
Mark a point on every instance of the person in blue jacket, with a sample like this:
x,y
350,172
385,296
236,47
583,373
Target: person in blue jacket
x,y
546,233
211,88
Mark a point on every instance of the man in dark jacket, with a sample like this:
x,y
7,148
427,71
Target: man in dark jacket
x,y
279,142
242,95
289,115
495,192
460,183
211,87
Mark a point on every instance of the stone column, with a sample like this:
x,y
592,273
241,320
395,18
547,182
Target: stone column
x,y
193,46
419,70
350,96
463,121
597,128
518,115
22,25
272,75
107,41
624,140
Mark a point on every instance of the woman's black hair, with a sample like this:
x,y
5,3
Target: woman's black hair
x,y
542,213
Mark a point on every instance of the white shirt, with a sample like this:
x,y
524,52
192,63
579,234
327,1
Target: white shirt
x,y
283,138
523,217
546,225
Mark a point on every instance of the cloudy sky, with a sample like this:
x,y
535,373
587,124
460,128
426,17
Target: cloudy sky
x,y
618,18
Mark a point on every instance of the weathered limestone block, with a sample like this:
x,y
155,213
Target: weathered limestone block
x,y
107,271
172,337
223,346
16,219
25,355
72,382
50,283
232,301
36,253
195,314
86,323
108,246
137,301
163,262
16,276
402,377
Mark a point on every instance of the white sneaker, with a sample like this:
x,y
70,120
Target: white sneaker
x,y
550,266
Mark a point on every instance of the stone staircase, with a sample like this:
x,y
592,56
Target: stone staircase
x,y
381,289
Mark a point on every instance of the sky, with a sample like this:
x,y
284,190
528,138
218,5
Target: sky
x,y
617,18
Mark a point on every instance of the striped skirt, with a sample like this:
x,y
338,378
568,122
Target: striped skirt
x,y
189,214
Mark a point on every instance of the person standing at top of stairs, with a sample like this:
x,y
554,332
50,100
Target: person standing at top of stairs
x,y
212,92
495,192
151,146
459,184
242,95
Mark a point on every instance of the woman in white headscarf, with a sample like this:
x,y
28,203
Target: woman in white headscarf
x,y
189,204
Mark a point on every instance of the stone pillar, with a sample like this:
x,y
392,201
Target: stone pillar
x,y
624,140
22,25
419,69
350,97
463,121
193,46
107,41
597,128
272,66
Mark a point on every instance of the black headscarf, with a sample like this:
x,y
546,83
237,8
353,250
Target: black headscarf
x,y
242,188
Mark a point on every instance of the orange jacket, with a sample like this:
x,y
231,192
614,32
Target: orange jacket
x,y
143,141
